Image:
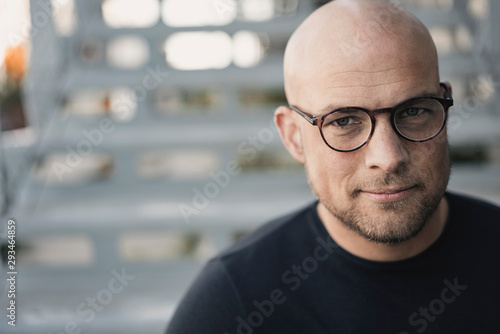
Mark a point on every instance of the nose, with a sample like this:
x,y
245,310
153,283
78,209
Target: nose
x,y
386,149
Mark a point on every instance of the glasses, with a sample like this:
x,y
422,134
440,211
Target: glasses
x,y
418,119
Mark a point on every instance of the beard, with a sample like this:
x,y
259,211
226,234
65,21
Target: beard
x,y
392,222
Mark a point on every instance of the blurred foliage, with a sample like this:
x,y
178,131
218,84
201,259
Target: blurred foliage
x,y
189,244
11,104
469,154
250,97
269,159
15,64
236,236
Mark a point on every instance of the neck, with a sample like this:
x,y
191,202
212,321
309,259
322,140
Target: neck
x,y
361,247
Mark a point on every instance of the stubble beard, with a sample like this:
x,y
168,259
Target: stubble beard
x,y
403,220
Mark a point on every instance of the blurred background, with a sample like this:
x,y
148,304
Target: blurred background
x,y
137,142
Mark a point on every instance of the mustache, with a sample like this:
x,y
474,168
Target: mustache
x,y
386,181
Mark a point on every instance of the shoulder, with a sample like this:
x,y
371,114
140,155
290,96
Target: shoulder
x,y
255,263
467,205
215,300
473,214
210,302
277,233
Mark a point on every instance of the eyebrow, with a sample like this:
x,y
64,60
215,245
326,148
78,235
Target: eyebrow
x,y
331,107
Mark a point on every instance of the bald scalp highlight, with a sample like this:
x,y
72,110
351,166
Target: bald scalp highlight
x,y
351,35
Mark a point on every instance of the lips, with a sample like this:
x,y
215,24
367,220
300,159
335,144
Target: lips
x,y
389,190
389,194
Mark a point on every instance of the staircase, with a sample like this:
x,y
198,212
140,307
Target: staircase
x,y
137,167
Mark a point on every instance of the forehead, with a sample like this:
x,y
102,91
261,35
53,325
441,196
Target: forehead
x,y
373,81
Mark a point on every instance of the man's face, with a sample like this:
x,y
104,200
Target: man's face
x,y
388,189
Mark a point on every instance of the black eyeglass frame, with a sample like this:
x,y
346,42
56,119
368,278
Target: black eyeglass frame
x,y
447,102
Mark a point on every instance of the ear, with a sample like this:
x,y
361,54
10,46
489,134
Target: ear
x,y
449,88
286,122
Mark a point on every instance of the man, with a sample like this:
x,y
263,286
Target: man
x,y
385,249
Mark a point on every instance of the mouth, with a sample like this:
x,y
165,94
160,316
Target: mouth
x,y
385,195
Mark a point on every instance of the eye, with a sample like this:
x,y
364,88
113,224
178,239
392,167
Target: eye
x,y
412,112
343,121
346,120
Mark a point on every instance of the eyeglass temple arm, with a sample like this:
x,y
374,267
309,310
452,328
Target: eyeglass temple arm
x,y
447,90
308,117
448,99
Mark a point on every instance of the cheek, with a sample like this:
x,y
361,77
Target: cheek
x,y
433,154
329,171
431,163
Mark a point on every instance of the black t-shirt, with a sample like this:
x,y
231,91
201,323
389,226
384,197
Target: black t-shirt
x,y
289,276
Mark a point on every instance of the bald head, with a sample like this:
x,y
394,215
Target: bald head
x,y
352,37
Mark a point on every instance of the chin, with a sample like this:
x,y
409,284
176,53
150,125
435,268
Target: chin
x,y
389,222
